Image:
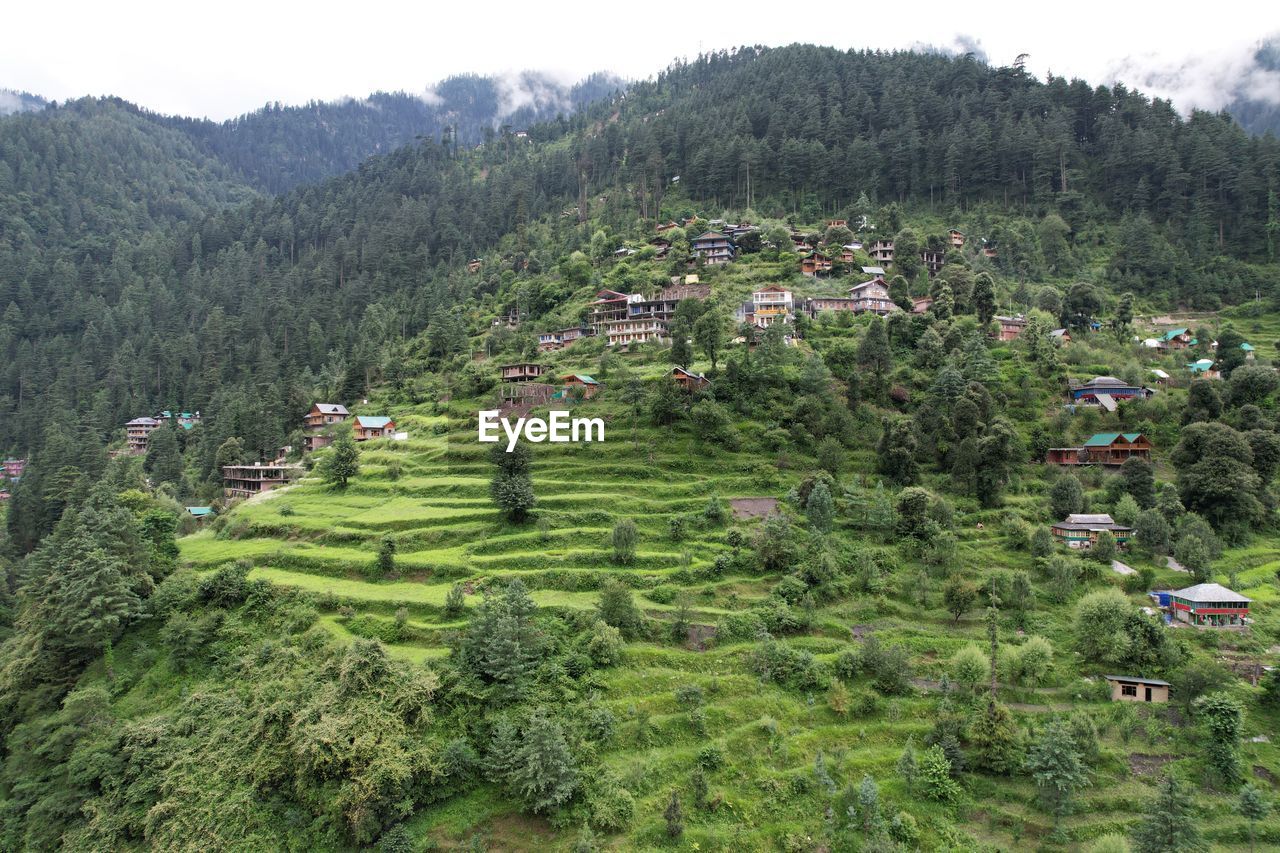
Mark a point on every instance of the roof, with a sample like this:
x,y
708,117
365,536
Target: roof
x,y
1210,593
690,374
1154,682
710,235
371,422
1201,365
1172,333
773,288
1106,401
1160,374
143,422
1247,347
581,377
199,511
1090,518
1058,333
866,284
873,270
331,409
1106,439
1106,382
1082,521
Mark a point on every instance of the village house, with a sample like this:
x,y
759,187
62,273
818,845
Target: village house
x,y
526,393
1209,605
815,263
921,304
956,238
1104,448
667,226
815,305
882,251
933,261
713,247
872,296
136,432
772,304
661,247
367,427
314,422
1204,369
799,241
200,513
13,469
837,223
589,386
624,333
1081,530
1106,391
1128,688
185,420
521,372
1177,339
689,381
608,306
473,265
1060,336
561,338
245,481
989,250
1011,327
663,306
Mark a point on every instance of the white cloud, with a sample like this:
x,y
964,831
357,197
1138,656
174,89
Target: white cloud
x,y
1208,80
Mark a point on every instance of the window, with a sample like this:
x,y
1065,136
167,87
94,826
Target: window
x,y
1129,690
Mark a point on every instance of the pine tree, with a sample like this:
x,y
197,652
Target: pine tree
x,y
545,774
1171,826
1253,807
1055,766
819,508
674,816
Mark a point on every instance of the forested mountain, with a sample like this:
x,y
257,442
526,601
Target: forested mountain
x,y
1259,111
12,101
195,302
279,147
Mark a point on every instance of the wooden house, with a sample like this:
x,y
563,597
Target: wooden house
x,y
1081,530
989,250
522,372
1177,339
589,386
1128,688
836,223
1209,605
921,304
815,305
473,265
882,251
136,432
367,427
1060,336
772,304
933,261
663,306
667,226
713,247
1106,391
245,481
689,381
815,263
320,416
1011,327
872,296
1104,448
1204,369
956,238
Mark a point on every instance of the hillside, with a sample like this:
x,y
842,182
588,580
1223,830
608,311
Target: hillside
x,y
813,603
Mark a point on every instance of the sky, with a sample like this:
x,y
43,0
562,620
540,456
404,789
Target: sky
x,y
225,59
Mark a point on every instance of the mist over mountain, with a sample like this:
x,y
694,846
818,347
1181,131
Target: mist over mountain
x,y
12,101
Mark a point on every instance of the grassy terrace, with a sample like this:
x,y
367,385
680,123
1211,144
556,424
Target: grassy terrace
x,y
430,494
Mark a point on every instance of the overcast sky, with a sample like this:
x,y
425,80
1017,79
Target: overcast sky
x,y
223,59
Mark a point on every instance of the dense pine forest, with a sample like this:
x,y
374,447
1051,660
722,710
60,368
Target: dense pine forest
x,y
422,645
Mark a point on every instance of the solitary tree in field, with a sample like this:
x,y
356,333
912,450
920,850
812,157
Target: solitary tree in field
x,y
624,541
1056,766
1171,825
342,463
1254,806
512,487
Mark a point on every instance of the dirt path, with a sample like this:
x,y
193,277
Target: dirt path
x,y
1121,569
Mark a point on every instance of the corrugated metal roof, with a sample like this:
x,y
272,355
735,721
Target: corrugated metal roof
x,y
368,422
1209,593
1155,682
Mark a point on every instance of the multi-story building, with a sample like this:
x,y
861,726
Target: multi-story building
x,y
1081,530
245,481
320,416
524,371
872,296
882,251
637,331
772,304
1011,327
713,247
1209,605
136,433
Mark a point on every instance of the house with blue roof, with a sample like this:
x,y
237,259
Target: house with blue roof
x,y
367,427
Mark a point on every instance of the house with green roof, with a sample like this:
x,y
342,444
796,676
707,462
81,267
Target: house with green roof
x,y
1204,369
1104,448
1177,338
589,386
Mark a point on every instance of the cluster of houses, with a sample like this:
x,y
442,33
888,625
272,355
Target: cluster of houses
x,y
138,430
13,469
1182,338
523,384
321,416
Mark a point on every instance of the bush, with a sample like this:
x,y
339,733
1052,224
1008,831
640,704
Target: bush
x,y
970,667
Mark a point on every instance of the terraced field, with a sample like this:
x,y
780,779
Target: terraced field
x,y
430,494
